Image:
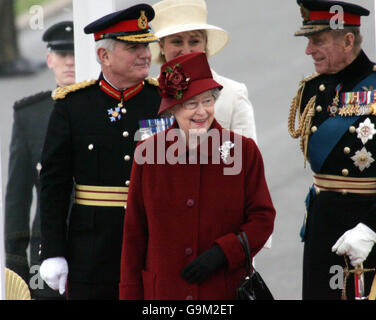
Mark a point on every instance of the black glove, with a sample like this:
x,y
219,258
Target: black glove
x,y
204,265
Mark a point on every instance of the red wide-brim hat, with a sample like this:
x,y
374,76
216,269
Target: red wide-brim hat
x,y
183,78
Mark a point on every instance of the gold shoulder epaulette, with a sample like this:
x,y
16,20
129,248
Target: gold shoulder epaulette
x,y
308,78
61,92
153,81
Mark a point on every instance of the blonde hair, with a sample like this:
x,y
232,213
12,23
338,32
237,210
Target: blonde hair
x,y
161,58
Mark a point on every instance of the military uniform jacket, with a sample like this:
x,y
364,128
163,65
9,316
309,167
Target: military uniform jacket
x,y
335,148
31,116
176,211
85,147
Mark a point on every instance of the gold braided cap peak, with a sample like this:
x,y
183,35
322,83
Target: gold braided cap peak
x,y
153,81
61,92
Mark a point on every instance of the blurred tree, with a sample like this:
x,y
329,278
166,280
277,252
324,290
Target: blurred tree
x,y
11,63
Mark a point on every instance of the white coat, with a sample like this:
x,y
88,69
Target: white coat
x,y
233,110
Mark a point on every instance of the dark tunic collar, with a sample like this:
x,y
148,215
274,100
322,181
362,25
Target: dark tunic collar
x,y
356,70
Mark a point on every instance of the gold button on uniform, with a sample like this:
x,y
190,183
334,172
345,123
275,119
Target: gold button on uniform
x,y
313,129
345,172
125,134
322,87
90,147
127,158
127,183
352,129
123,110
318,108
347,150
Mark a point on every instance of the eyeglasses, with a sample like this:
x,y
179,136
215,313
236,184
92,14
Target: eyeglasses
x,y
193,104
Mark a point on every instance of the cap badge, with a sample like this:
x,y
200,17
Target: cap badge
x,y
68,29
304,12
142,20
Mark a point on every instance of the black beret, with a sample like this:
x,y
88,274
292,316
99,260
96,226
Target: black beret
x,y
59,37
317,16
129,25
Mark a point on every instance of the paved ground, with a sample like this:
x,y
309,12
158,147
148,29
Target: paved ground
x,y
265,56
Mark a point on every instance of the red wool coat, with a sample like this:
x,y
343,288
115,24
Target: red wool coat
x,y
177,211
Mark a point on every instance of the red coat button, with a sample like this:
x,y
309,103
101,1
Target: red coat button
x,y
188,251
190,202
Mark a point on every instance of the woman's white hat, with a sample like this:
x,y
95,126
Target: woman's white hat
x,y
174,16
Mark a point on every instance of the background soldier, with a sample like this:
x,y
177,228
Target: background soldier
x,y
29,129
90,144
336,128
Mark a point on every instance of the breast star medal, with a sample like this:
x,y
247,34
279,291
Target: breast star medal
x,y
362,159
366,130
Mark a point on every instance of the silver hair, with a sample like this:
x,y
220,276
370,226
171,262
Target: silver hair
x,y
216,92
108,44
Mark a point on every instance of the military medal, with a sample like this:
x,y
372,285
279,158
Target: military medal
x,y
114,114
150,127
362,159
360,103
333,109
366,130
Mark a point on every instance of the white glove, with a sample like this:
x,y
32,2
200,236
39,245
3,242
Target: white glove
x,y
356,243
54,271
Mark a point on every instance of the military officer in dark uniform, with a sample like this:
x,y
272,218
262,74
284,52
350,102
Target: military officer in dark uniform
x,y
31,116
336,127
89,145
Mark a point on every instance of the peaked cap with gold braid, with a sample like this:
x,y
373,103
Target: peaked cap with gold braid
x,y
318,15
130,25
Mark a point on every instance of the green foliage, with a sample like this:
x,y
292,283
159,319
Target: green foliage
x,y
23,6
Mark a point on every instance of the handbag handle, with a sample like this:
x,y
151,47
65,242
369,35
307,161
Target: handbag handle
x,y
244,242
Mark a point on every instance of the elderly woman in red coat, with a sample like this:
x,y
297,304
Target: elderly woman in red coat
x,y
193,188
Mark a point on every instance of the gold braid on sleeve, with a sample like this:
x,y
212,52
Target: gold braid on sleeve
x,y
304,121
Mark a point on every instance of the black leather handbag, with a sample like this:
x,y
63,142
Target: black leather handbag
x,y
253,287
